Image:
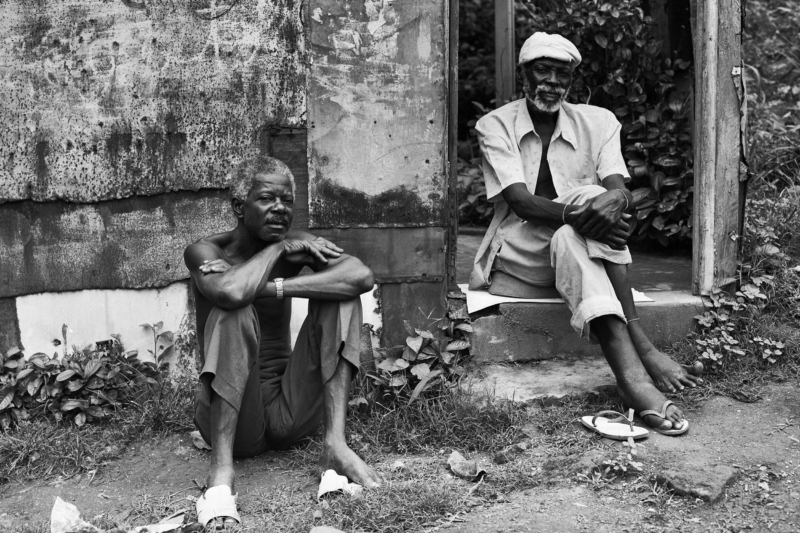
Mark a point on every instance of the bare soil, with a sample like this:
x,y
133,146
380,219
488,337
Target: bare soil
x,y
760,441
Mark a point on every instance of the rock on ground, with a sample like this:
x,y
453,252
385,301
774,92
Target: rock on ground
x,y
706,482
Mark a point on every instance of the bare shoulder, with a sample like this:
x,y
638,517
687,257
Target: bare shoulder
x,y
207,248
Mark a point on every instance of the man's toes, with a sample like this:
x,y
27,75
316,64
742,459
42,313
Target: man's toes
x,y
675,416
695,368
657,422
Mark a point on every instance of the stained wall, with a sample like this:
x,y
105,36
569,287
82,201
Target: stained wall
x,y
120,120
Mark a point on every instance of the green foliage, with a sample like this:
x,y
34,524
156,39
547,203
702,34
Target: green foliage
x,y
771,46
424,365
81,386
734,325
623,71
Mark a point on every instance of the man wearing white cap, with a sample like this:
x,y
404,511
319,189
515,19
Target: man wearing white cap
x,y
556,175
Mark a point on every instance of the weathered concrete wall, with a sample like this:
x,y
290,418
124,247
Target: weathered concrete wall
x,y
132,243
377,113
112,98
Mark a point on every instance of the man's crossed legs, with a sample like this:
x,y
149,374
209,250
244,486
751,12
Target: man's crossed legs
x,y
242,414
593,279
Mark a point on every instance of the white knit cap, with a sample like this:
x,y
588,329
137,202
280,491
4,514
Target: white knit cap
x,y
551,46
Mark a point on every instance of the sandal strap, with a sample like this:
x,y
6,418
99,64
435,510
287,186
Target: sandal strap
x,y
619,417
662,414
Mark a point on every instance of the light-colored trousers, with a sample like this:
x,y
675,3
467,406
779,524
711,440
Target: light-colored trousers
x,y
541,256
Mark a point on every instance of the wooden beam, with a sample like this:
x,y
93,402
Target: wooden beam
x,y
718,146
504,50
452,143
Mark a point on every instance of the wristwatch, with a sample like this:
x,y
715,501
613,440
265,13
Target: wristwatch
x,y
279,287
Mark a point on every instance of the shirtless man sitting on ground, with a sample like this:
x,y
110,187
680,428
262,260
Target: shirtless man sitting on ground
x,y
256,393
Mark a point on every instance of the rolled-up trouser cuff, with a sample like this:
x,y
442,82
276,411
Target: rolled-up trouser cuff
x,y
597,250
592,308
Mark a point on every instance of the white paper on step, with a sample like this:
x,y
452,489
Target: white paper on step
x,y
478,300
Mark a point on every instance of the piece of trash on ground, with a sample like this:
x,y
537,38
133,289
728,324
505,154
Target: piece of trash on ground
x,y
333,482
198,441
398,465
65,518
465,469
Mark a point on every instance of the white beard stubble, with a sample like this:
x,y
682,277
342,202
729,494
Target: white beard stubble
x,y
536,100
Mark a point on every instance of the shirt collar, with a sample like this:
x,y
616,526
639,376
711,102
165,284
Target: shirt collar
x,y
524,125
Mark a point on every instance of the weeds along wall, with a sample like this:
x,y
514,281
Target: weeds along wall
x,y
121,119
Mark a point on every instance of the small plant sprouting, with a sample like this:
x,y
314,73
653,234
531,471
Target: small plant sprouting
x,y
163,341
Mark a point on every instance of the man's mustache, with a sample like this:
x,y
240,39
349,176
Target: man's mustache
x,y
560,91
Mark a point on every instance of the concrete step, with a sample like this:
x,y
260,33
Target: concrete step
x,y
519,332
541,380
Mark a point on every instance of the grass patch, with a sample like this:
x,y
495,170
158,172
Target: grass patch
x,y
41,448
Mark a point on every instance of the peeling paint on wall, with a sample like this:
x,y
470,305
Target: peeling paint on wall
x,y
107,99
377,113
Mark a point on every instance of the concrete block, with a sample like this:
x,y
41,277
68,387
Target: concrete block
x,y
532,332
555,378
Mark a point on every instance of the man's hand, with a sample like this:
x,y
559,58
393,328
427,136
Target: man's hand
x,y
319,249
215,266
598,216
617,237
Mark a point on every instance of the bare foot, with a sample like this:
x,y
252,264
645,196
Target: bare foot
x,y
222,474
644,395
668,375
339,457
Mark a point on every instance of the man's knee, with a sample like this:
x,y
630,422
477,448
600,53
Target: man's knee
x,y
243,318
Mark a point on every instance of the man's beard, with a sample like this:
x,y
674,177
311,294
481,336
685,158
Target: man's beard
x,y
534,97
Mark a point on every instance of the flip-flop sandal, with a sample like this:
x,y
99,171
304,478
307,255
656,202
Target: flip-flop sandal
x,y
663,415
217,502
618,428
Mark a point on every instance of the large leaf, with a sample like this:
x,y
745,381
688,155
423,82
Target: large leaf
x,y
667,161
409,354
457,345
96,411
91,368
69,405
421,370
391,364
24,373
95,383
464,327
11,364
415,343
75,385
14,353
424,333
6,398
66,374
424,384
33,386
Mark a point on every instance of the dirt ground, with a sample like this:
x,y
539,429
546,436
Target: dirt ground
x,y
758,444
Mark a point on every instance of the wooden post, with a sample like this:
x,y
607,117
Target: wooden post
x,y
452,145
504,51
718,144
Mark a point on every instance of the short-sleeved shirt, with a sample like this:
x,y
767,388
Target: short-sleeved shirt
x,y
584,150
